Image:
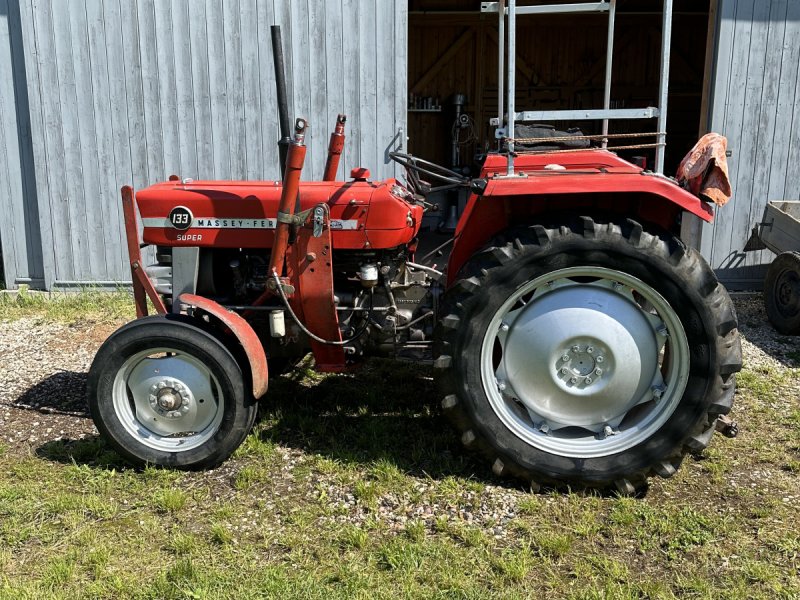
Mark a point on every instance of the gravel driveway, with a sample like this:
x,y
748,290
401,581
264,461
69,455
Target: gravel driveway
x,y
44,366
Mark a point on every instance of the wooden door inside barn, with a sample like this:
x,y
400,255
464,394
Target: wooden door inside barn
x,y
561,65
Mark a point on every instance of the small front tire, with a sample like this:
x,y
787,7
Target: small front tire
x,y
165,392
782,293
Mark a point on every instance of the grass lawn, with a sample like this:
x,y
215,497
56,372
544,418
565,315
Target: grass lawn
x,y
353,486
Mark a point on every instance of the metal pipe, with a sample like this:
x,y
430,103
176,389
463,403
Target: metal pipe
x,y
501,49
612,14
663,92
512,72
335,147
283,105
291,186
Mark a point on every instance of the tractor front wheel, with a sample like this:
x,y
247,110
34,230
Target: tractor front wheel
x,y
588,354
165,392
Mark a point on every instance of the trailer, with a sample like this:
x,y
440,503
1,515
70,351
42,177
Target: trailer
x,y
779,231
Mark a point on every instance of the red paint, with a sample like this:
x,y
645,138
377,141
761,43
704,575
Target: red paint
x,y
291,183
351,200
244,333
310,268
142,286
335,147
594,180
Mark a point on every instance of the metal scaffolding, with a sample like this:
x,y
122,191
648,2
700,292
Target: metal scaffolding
x,y
507,116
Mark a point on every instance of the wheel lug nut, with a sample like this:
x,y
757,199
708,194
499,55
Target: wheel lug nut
x,y
501,385
565,357
600,359
504,327
564,371
598,372
576,349
588,380
573,380
590,349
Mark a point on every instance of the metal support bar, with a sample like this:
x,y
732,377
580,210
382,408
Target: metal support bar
x,y
584,115
512,85
663,92
550,9
501,47
612,15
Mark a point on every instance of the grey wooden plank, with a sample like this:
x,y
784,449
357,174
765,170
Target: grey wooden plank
x,y
767,120
367,84
352,106
301,82
792,182
334,88
198,36
251,88
12,222
187,133
55,170
151,103
167,88
268,108
786,103
400,75
317,76
747,158
235,83
33,241
74,221
137,135
37,170
218,87
732,126
385,87
91,198
104,186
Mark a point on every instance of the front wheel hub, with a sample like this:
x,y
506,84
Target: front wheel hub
x,y
582,353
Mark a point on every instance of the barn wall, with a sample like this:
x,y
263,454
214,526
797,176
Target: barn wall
x,y
103,93
756,104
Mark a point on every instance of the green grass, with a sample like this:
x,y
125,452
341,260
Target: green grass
x,y
84,305
351,486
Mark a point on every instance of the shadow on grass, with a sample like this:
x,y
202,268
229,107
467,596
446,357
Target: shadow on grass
x,y
385,411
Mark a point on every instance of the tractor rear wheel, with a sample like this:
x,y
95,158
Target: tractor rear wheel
x,y
589,354
165,392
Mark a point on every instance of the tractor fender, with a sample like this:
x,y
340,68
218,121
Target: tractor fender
x,y
505,202
253,348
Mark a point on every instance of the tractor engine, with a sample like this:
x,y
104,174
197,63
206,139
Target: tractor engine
x,y
216,243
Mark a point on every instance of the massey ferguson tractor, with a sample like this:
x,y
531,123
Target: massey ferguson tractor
x,y
576,339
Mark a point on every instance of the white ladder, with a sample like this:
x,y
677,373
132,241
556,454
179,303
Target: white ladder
x,y
511,10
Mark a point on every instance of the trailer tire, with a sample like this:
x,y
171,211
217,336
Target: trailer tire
x,y
165,392
782,293
526,402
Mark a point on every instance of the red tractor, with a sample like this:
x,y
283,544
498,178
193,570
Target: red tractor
x,y
577,340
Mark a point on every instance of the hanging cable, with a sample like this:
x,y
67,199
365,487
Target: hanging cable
x,y
316,338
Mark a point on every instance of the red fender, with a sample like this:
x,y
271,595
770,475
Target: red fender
x,y
591,180
253,347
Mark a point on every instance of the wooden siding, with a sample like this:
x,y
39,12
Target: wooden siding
x,y
756,104
102,93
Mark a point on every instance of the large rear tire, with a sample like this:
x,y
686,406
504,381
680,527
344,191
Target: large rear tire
x,y
165,392
587,354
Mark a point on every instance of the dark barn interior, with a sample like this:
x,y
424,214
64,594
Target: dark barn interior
x,y
561,65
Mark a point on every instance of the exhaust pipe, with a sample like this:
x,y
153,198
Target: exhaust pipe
x,y
283,106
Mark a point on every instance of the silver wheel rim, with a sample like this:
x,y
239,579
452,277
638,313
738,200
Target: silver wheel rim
x,y
584,362
168,400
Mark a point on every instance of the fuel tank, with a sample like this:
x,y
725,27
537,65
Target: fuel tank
x,y
242,214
